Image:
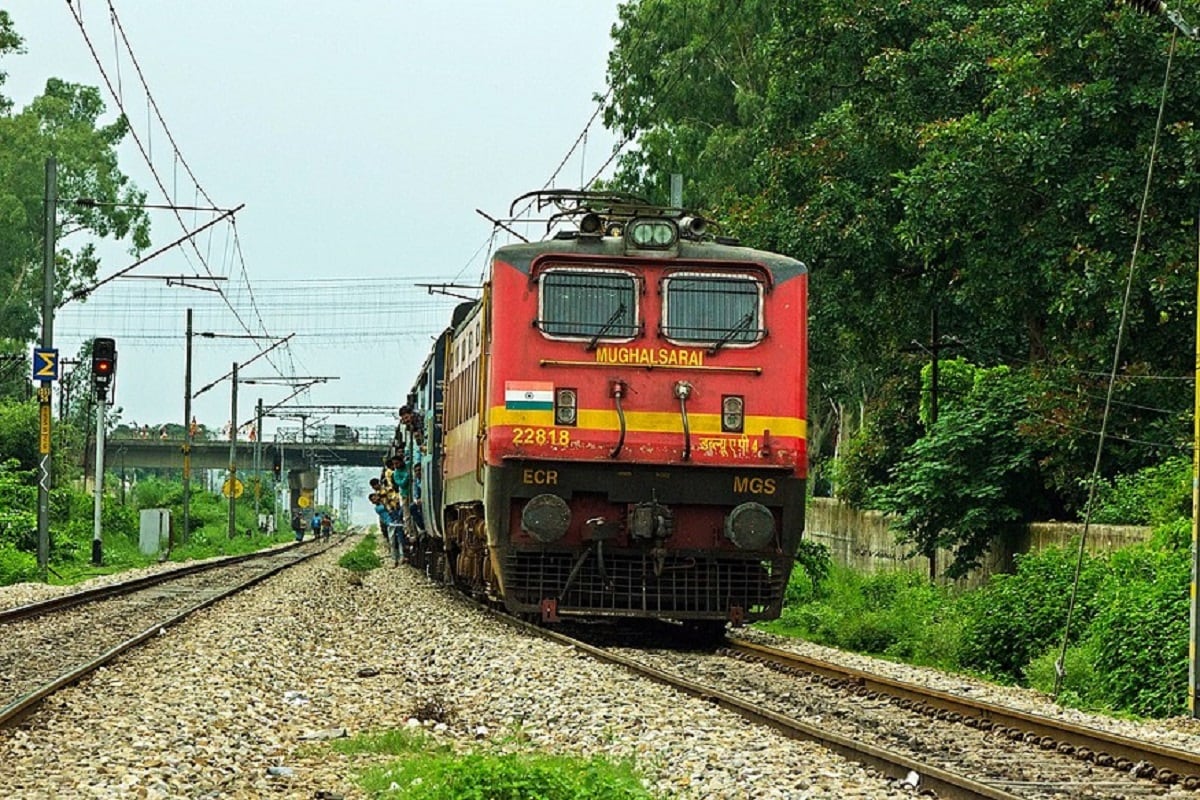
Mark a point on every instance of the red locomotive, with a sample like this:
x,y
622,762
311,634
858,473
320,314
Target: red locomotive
x,y
617,427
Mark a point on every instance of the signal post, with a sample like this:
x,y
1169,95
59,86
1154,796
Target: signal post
x,y
104,370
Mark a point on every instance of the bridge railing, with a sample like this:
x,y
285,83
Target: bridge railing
x,y
375,437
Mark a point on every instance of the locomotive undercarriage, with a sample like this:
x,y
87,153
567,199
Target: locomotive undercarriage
x,y
464,560
601,580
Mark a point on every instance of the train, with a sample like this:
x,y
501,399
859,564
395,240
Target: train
x,y
617,426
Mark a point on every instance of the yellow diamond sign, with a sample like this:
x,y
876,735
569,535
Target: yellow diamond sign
x,y
236,489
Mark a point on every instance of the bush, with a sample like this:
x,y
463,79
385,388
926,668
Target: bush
x,y
1079,675
1017,617
18,506
813,563
896,614
17,566
1140,634
1156,495
156,493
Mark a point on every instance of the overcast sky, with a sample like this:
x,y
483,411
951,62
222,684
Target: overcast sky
x,y
361,137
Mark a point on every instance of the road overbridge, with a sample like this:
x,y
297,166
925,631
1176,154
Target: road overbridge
x,y
168,454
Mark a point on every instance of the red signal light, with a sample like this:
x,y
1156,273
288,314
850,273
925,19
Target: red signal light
x,y
104,362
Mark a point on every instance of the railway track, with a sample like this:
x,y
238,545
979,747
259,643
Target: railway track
x,y
948,746
899,768
1011,759
47,645
1163,764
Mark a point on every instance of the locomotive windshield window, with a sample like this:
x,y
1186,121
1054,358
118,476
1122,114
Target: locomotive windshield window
x,y
588,305
718,310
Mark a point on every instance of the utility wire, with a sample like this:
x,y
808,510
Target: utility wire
x,y
146,155
150,98
1060,663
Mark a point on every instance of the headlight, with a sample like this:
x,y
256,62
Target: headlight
x,y
733,417
566,401
652,233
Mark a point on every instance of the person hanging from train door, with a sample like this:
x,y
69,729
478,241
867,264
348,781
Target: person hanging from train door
x,y
415,510
391,521
402,480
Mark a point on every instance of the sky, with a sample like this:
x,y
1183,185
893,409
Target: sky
x,y
361,136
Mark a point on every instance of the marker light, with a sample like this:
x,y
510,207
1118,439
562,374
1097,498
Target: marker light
x,y
732,413
565,404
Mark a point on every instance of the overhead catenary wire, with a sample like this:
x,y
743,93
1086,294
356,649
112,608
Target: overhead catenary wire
x,y
1060,662
143,147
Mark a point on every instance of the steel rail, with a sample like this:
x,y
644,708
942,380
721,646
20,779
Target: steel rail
x,y
126,587
18,708
943,783
1162,763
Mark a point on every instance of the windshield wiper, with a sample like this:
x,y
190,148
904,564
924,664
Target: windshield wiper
x,y
743,324
608,326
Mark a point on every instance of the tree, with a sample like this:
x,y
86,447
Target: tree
x,y
64,122
969,478
979,158
19,434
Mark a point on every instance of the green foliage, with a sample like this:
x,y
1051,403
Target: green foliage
x,y
871,452
363,558
159,493
1133,654
981,159
1141,630
893,614
1155,495
1017,617
432,771
18,506
393,742
1128,649
510,776
1079,685
956,379
16,566
19,433
974,451
813,564
63,121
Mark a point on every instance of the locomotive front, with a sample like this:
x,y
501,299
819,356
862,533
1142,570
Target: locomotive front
x,y
642,435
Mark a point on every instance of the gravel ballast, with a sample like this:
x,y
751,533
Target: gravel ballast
x,y
238,702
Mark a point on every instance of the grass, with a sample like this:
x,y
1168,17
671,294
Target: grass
x,y
363,558
422,769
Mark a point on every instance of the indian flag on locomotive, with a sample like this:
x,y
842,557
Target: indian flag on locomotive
x,y
528,396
